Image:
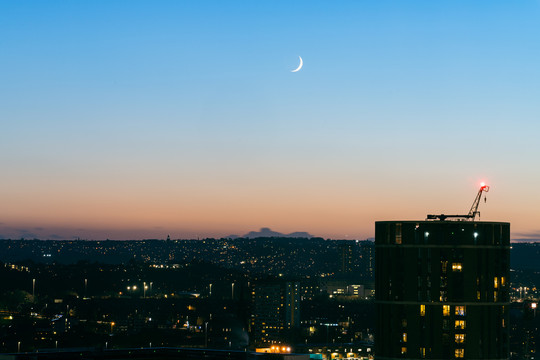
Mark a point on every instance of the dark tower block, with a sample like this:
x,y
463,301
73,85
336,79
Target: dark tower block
x,y
441,289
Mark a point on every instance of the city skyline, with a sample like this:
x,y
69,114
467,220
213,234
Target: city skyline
x,y
132,120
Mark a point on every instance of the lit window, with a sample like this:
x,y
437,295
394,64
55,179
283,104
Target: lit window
x,y
460,338
495,283
404,337
422,310
478,295
403,350
457,267
460,324
495,296
444,281
446,310
398,233
423,352
460,310
459,353
502,280
444,265
443,295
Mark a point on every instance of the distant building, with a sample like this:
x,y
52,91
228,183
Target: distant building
x,y
442,290
276,311
356,260
367,259
342,287
347,249
310,289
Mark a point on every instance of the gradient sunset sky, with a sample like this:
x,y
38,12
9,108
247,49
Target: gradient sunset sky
x,y
138,119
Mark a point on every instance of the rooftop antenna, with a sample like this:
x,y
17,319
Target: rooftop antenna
x,y
472,212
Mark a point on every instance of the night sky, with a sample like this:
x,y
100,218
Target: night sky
x,y
138,119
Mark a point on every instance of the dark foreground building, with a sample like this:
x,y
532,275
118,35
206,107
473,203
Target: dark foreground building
x,y
442,289
149,354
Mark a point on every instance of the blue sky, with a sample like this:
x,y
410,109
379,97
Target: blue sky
x,y
139,118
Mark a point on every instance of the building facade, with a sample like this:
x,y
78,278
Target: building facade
x,y
441,290
276,311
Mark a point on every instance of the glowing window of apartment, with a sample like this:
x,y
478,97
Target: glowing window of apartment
x,y
460,324
495,295
446,310
460,310
403,350
443,295
460,338
495,283
459,353
503,323
444,266
398,233
502,280
457,267
422,310
422,352
404,337
478,295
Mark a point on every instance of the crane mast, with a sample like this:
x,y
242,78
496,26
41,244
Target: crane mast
x,y
474,208
472,212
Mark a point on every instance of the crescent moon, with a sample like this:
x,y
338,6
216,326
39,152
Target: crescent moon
x,y
299,66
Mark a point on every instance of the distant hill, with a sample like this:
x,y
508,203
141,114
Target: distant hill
x,y
267,232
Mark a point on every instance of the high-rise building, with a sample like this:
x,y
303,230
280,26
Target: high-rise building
x,y
276,310
366,260
356,259
346,249
441,289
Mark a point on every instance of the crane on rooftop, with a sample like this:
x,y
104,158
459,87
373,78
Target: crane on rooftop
x,y
472,212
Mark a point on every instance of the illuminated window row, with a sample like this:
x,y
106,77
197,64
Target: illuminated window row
x,y
457,267
459,310
460,338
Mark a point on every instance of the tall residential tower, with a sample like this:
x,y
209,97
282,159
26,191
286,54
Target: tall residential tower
x,y
442,289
